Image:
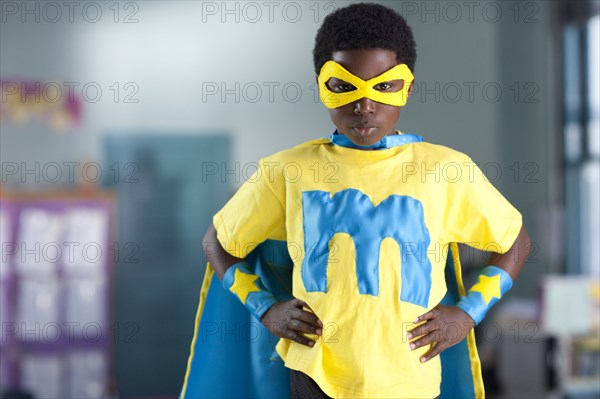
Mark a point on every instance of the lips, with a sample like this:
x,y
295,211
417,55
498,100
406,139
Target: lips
x,y
364,130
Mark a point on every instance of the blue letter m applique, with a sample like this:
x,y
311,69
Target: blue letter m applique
x,y
350,211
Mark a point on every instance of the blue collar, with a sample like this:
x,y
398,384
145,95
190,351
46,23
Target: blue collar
x,y
393,140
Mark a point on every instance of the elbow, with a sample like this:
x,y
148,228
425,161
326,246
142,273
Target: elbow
x,y
524,244
206,239
209,240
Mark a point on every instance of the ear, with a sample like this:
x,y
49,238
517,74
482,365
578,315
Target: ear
x,y
410,88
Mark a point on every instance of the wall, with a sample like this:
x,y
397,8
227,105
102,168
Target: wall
x,y
177,51
171,54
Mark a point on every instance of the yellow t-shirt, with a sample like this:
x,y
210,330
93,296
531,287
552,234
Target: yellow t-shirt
x,y
368,232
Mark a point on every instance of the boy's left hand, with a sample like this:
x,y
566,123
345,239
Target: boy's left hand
x,y
444,326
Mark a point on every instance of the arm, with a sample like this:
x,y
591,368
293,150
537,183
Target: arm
x,y
513,260
282,319
219,259
437,319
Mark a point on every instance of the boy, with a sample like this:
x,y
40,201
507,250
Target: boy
x,y
369,221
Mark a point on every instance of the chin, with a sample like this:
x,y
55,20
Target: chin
x,y
363,140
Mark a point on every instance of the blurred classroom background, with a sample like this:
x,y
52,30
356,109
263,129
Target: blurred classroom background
x,y
126,125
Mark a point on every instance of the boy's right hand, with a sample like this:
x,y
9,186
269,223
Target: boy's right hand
x,y
289,320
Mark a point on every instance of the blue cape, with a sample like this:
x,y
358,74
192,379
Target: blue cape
x,y
233,356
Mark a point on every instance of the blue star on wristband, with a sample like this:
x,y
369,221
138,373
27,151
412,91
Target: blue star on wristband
x,y
492,284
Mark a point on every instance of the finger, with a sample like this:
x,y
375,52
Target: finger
x,y
307,317
294,336
433,352
423,329
299,303
432,314
302,326
304,315
426,340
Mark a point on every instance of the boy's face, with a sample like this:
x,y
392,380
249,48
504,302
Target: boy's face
x,y
365,121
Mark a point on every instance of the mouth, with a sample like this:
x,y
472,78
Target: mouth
x,y
362,130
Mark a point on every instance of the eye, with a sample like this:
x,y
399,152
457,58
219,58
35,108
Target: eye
x,y
345,87
392,85
383,86
339,86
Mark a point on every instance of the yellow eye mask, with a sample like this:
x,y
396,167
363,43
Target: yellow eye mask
x,y
331,99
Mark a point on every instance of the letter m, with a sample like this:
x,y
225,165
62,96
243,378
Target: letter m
x,y
352,212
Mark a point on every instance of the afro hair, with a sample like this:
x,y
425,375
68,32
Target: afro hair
x,y
364,26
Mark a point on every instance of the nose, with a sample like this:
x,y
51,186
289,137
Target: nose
x,y
364,106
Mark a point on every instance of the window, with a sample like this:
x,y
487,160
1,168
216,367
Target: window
x,y
581,134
